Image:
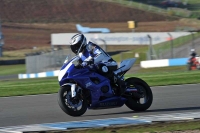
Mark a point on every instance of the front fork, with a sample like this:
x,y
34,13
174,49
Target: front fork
x,y
73,89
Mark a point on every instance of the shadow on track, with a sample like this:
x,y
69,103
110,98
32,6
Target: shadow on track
x,y
116,113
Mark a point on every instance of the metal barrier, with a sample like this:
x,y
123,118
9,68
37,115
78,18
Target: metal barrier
x,y
47,61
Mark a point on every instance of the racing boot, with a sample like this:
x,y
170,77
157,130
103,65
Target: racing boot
x,y
121,84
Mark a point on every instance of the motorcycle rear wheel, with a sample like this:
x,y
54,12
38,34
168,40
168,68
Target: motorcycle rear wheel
x,y
70,105
135,103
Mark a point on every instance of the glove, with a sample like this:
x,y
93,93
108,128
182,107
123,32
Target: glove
x,y
84,63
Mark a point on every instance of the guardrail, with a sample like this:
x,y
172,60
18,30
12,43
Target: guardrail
x,y
163,63
39,75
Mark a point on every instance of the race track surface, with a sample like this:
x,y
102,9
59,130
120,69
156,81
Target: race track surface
x,y
25,110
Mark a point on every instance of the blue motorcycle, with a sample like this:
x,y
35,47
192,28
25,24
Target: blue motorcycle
x,y
83,88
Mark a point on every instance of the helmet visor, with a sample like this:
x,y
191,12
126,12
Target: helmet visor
x,y
77,48
74,48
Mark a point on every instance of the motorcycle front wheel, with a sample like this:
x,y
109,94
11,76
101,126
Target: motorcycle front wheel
x,y
73,106
139,103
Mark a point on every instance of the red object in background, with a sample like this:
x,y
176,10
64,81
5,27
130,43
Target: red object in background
x,y
193,63
169,38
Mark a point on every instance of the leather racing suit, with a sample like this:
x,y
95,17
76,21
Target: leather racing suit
x,y
105,64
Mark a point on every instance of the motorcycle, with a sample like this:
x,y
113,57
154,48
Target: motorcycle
x,y
193,63
83,88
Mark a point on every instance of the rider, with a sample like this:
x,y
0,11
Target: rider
x,y
91,53
193,55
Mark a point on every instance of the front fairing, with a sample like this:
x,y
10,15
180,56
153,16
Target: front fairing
x,y
86,79
70,73
70,70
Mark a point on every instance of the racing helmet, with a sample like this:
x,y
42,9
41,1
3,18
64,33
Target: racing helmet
x,y
78,43
193,53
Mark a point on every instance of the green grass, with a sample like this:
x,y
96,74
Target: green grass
x,y
12,69
131,54
172,78
50,85
168,76
28,86
173,69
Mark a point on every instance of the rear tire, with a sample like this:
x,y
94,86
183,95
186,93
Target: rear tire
x,y
66,102
135,103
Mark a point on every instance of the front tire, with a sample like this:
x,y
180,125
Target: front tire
x,y
76,106
136,103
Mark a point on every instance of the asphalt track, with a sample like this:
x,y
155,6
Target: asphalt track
x,y
38,109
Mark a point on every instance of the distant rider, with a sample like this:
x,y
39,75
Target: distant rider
x,y
193,53
91,53
193,57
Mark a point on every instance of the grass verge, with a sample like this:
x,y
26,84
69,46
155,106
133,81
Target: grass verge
x,y
12,69
178,127
50,85
28,86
